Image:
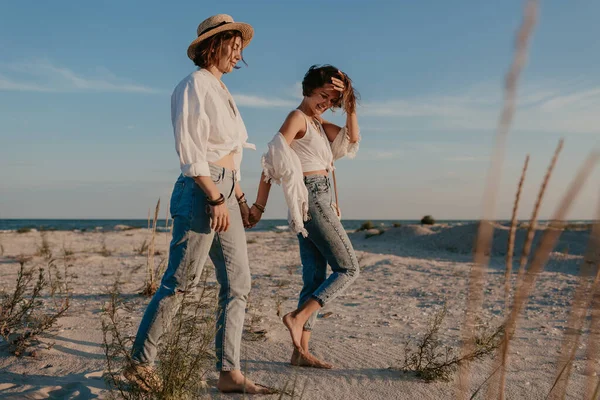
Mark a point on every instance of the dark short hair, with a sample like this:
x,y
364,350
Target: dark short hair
x,y
318,76
209,50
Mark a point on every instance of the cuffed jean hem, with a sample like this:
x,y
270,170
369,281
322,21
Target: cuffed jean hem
x,y
318,299
344,281
137,362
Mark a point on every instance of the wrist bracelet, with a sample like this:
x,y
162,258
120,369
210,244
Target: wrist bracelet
x,y
242,199
260,208
216,202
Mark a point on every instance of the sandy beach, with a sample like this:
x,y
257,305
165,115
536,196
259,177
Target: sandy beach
x,y
407,273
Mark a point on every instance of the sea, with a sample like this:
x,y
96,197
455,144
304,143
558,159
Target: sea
x,y
83,225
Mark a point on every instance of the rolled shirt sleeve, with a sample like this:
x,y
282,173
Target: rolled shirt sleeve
x,y
342,147
191,129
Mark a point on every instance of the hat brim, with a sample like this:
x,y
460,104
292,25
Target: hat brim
x,y
245,29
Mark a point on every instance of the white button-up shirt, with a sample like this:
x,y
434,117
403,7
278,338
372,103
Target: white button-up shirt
x,y
206,123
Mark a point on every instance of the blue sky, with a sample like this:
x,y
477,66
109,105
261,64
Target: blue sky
x,y
85,100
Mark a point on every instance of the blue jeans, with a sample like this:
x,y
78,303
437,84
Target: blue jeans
x,y
327,243
193,241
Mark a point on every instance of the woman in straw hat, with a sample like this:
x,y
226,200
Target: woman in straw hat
x,y
208,207
300,157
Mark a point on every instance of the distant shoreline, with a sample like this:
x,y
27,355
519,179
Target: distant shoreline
x,y
86,225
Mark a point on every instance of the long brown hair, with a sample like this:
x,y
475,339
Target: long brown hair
x,y
209,51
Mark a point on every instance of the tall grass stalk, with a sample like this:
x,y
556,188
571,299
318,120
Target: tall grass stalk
x,y
511,236
582,300
151,271
534,216
500,366
540,257
593,346
485,232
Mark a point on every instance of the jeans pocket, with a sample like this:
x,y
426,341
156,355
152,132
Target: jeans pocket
x,y
217,176
182,198
176,195
319,187
320,193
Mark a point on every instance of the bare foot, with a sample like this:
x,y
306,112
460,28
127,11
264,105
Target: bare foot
x,y
305,359
235,382
144,376
295,328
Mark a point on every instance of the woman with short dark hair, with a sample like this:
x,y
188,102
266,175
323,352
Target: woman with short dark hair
x,y
300,157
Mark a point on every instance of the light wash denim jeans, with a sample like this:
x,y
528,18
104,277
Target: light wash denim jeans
x,y
193,241
327,243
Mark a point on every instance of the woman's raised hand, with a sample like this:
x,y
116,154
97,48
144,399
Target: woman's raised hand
x,y
337,84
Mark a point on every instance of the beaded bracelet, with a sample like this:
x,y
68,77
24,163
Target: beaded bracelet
x,y
216,202
260,208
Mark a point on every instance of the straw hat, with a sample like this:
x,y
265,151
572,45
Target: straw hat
x,y
216,24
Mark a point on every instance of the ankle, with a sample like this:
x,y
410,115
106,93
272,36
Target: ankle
x,y
231,374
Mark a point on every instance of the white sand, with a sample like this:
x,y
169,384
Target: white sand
x,y
406,274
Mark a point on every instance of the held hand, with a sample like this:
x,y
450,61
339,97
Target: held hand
x,y
219,218
245,212
255,215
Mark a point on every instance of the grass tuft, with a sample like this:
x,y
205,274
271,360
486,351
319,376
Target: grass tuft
x,y
185,355
25,314
432,360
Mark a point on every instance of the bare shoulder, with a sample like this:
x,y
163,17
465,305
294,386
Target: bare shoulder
x,y
295,117
294,126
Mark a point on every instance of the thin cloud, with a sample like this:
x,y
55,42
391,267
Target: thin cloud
x,y
291,96
467,159
448,178
379,154
433,107
296,91
7,84
46,77
582,99
566,108
252,101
